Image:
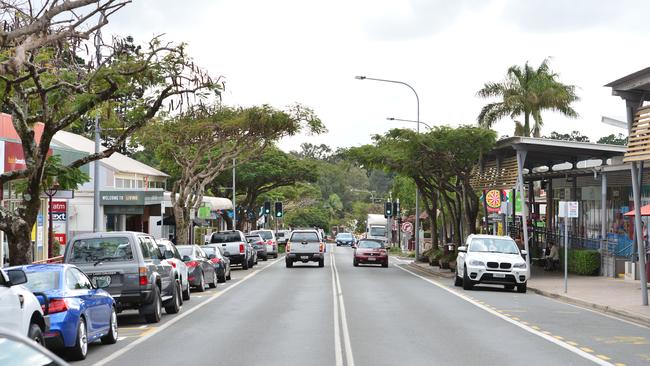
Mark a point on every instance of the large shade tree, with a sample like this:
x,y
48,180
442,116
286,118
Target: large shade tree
x,y
527,91
48,75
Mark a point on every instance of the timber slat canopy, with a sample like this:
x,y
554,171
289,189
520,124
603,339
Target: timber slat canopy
x,y
495,175
638,147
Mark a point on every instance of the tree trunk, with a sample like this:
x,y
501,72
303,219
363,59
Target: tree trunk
x,y
527,124
181,215
433,217
19,238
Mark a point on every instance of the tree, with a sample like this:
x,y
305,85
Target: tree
x,y
612,139
197,146
308,217
527,91
271,169
46,76
573,136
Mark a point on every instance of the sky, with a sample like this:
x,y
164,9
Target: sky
x,y
283,52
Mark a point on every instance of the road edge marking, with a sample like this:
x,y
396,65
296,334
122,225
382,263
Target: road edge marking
x,y
157,330
549,338
349,358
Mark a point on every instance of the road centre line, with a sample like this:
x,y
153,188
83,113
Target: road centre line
x,y
156,330
344,321
337,333
540,334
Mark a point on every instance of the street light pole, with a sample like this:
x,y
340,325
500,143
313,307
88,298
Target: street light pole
x,y
97,219
417,191
234,196
407,120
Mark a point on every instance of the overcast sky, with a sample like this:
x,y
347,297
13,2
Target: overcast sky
x,y
308,51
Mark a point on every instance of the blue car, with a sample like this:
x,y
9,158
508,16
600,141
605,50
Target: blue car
x,y
79,312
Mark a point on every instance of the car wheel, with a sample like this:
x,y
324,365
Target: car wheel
x,y
213,284
457,280
265,258
385,264
221,279
156,311
289,264
175,303
111,337
321,262
244,265
467,283
186,293
355,262
228,276
36,334
521,288
509,287
202,283
80,349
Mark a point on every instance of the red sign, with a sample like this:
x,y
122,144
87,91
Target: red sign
x,y
61,238
59,206
14,157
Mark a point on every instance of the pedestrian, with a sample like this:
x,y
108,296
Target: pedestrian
x,y
553,258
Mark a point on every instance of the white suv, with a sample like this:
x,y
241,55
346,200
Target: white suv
x,y
20,310
269,240
491,259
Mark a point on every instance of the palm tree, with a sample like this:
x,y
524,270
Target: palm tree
x,y
527,91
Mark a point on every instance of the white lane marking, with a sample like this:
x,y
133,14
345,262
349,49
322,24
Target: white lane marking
x,y
344,321
547,337
142,326
177,318
337,332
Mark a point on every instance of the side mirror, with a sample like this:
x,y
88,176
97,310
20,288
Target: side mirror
x,y
16,277
462,249
524,253
168,254
186,258
212,256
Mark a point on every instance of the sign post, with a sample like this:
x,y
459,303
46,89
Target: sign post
x,y
568,210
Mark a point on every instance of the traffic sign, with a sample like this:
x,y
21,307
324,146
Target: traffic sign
x,y
407,227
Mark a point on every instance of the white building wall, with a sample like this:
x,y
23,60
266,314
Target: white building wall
x,y
80,213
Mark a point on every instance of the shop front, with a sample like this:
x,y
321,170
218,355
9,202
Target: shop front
x,y
130,210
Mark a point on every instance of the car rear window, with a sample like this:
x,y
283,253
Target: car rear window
x,y
105,249
266,235
299,237
209,250
188,251
225,237
279,235
42,281
370,244
344,236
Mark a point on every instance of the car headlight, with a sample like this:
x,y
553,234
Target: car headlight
x,y
521,265
474,262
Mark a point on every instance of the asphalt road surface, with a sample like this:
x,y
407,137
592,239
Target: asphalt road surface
x,y
345,315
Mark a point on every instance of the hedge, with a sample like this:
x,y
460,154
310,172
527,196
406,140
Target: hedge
x,y
583,261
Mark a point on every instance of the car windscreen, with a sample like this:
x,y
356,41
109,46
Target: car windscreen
x,y
371,244
42,281
300,237
225,237
186,251
378,231
279,234
493,245
344,236
115,249
266,235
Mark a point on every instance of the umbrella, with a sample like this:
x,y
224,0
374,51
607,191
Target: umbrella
x,y
645,211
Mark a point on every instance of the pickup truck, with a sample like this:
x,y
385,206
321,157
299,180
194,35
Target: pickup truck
x,y
305,246
20,310
234,246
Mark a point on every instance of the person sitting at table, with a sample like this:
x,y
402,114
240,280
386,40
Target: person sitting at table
x,y
552,258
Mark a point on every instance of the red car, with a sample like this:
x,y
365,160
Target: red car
x,y
370,252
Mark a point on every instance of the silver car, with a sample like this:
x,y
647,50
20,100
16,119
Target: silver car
x,y
269,240
173,257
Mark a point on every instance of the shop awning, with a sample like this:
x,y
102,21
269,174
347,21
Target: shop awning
x,y
645,211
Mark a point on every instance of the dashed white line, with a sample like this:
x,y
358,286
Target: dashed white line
x,y
337,332
344,322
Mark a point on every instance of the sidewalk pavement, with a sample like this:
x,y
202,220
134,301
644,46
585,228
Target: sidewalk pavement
x,y
608,295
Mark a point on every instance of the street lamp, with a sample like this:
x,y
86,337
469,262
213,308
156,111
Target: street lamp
x,y
417,191
406,120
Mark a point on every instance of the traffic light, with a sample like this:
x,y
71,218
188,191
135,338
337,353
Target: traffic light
x,y
396,209
278,209
388,209
267,207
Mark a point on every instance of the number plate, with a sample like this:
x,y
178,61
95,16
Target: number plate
x,y
101,281
499,275
372,259
304,257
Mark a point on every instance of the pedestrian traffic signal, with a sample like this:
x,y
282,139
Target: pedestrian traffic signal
x,y
267,207
388,209
278,209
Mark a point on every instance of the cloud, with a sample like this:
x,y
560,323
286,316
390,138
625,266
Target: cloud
x,y
563,15
412,19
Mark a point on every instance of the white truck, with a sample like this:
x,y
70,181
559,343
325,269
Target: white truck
x,y
376,227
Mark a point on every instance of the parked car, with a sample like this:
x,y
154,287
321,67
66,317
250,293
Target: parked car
x,y
269,240
201,270
173,257
220,263
234,246
133,267
18,350
491,259
259,245
282,236
345,239
369,251
305,246
20,310
80,313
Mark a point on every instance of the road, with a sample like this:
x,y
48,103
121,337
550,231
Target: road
x,y
345,315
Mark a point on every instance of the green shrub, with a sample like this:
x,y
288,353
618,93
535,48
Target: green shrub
x,y
395,250
584,262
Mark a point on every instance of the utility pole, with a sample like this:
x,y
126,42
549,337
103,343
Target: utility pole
x,y
234,195
97,219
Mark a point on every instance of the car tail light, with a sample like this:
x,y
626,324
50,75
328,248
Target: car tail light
x,y
270,242
241,248
215,260
144,279
172,263
192,264
321,247
56,306
287,248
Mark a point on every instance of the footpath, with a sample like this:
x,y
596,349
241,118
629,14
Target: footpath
x,y
608,295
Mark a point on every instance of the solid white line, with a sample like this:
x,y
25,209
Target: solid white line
x,y
337,333
344,321
177,318
547,337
